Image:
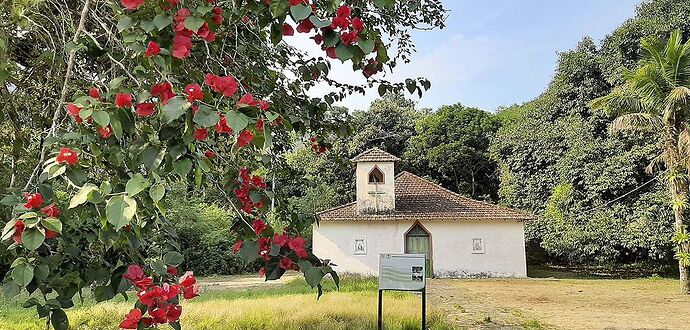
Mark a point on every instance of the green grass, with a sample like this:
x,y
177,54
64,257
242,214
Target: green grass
x,y
290,306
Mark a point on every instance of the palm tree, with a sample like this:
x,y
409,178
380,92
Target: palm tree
x,y
656,96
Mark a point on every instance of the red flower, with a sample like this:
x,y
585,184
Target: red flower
x,y
318,39
95,93
173,313
237,246
162,91
263,105
247,100
33,201
285,263
222,126
218,16
258,182
302,254
342,22
132,319
245,138
296,2
170,291
187,279
145,109
152,50
357,24
51,234
51,210
67,156
330,52
343,11
260,125
73,110
134,273
194,92
349,38
123,100
288,30
105,132
181,15
224,85
262,272
191,291
172,270
131,4
18,231
200,134
305,26
209,154
182,46
296,243
143,283
259,226
159,315
211,37
281,239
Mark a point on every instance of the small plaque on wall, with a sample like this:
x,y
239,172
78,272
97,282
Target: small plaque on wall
x,y
360,246
477,245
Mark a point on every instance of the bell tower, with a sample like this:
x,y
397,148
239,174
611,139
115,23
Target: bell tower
x,y
375,179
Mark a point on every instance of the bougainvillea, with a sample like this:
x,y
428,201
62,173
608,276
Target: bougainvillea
x,y
205,93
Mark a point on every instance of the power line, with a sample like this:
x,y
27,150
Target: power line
x,y
617,198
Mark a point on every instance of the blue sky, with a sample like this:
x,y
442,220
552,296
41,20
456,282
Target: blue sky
x,y
499,52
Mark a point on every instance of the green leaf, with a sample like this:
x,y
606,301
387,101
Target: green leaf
x,y
366,45
173,258
52,224
82,195
206,116
204,9
193,23
343,52
103,293
33,238
23,274
31,302
116,125
153,157
237,120
59,320
120,210
9,229
101,118
383,89
10,289
318,23
300,12
313,276
411,85
159,266
276,33
85,113
156,192
136,185
249,251
161,21
41,272
279,8
384,3
147,26
175,108
182,166
124,23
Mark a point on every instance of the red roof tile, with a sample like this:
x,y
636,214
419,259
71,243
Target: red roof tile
x,y
375,155
417,198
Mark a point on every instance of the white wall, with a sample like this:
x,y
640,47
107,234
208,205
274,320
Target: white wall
x,y
504,246
384,199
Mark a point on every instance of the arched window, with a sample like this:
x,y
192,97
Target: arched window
x,y
375,176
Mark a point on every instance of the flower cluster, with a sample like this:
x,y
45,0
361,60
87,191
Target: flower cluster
x,y
247,184
35,202
316,147
161,301
290,245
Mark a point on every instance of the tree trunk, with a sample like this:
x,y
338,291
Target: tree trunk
x,y
678,186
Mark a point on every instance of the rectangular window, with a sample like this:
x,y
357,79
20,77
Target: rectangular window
x,y
477,245
360,246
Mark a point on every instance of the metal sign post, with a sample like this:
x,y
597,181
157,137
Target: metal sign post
x,y
402,272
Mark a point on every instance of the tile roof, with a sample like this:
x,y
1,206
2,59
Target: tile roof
x,y
417,198
375,155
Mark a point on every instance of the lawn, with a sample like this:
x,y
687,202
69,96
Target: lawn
x,y
563,303
292,305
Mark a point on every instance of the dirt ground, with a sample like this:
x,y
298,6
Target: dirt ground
x,y
243,282
562,303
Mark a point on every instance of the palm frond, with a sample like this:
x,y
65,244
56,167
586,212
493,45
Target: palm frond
x,y
656,163
637,120
619,101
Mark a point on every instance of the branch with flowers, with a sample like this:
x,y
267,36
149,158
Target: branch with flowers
x,y
206,93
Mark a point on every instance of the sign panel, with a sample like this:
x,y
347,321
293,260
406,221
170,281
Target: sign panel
x,y
402,272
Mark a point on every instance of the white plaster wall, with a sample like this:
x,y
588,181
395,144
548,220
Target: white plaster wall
x,y
386,198
504,246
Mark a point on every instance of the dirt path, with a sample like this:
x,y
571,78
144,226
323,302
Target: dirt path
x,y
562,303
243,282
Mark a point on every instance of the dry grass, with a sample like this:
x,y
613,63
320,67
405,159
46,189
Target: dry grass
x,y
652,303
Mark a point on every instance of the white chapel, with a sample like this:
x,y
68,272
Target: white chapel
x,y
405,213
